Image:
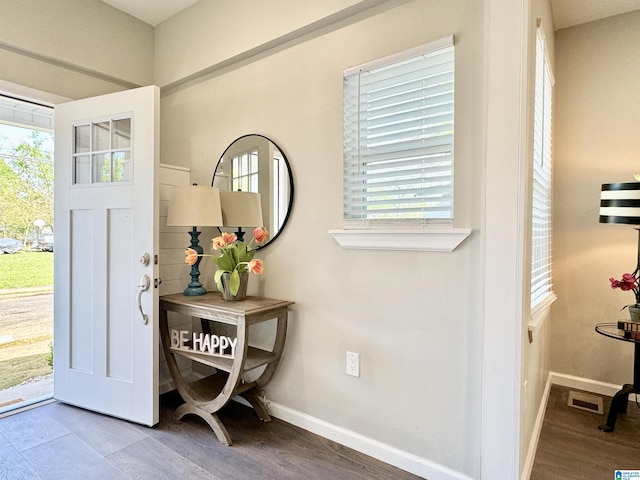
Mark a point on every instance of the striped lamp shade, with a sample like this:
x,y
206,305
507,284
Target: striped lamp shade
x,y
620,203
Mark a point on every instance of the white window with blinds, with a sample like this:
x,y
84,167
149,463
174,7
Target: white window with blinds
x,y
541,278
398,139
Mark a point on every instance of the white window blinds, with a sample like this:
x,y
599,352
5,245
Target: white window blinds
x,y
398,138
541,280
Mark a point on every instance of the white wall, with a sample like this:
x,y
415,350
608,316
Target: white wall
x,y
73,48
415,318
597,141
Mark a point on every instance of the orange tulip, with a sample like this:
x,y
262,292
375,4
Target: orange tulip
x,y
218,243
260,234
191,256
255,266
224,240
229,238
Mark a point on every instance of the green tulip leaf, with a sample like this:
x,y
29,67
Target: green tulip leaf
x,y
234,283
218,279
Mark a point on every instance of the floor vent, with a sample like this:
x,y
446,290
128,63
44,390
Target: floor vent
x,y
584,401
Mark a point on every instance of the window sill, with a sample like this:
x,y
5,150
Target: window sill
x,y
421,240
540,312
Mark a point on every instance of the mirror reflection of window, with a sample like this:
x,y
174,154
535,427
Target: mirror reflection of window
x,y
244,172
254,163
281,189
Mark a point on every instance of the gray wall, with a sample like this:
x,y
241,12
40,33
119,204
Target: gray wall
x,y
597,119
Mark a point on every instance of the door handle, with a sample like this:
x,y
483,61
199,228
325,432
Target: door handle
x,y
143,285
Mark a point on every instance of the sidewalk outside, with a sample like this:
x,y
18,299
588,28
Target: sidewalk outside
x,y
14,292
24,309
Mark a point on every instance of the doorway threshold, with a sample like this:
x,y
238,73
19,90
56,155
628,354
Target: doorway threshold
x,y
25,405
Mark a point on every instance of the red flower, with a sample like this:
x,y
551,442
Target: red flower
x,y
628,282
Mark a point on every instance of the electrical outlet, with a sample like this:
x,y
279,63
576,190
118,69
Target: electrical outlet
x,y
353,364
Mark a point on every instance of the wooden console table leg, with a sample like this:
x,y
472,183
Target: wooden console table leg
x,y
257,404
278,346
211,418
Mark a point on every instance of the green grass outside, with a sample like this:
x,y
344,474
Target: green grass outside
x,y
26,269
17,370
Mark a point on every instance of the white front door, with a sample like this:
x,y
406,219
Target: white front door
x,y
106,216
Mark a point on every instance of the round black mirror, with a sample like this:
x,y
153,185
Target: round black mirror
x,y
254,163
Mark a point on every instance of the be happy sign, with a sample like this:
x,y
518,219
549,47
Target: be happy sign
x,y
208,344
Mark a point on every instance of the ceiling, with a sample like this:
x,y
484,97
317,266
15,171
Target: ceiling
x,y
152,12
566,13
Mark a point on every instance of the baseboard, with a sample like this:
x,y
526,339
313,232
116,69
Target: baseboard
x,y
386,453
535,436
587,385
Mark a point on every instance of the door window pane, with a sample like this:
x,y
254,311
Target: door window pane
x,y
82,138
82,170
101,168
121,133
101,136
120,167
102,152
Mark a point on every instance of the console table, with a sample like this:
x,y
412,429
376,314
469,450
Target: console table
x,y
208,395
620,400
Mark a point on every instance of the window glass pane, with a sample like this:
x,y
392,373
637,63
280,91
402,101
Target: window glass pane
x,y
82,170
121,136
541,247
82,138
101,136
399,137
121,167
101,168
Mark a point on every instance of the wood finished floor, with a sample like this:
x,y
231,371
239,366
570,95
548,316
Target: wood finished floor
x,y
57,441
572,448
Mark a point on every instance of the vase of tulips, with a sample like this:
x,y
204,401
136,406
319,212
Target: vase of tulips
x,y
235,261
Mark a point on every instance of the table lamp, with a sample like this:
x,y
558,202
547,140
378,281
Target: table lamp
x,y
620,203
195,206
241,209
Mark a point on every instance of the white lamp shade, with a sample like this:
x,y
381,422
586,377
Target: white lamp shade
x,y
241,209
195,206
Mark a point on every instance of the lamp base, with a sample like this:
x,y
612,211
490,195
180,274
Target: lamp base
x,y
194,291
195,288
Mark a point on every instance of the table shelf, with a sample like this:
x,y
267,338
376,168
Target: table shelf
x,y
208,395
256,357
208,388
